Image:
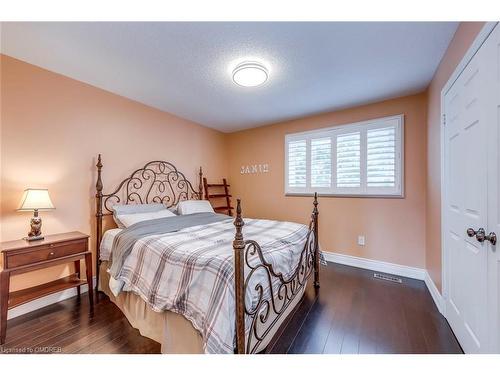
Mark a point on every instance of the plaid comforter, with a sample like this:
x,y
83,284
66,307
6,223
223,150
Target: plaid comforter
x,y
191,272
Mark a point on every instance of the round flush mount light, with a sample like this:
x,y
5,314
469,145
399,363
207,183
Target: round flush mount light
x,y
250,74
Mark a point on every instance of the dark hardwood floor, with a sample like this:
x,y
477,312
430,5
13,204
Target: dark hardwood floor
x,y
355,313
351,313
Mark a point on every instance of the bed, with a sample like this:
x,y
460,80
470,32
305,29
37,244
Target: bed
x,y
192,282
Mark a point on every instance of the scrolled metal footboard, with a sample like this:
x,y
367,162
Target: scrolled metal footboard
x,y
278,294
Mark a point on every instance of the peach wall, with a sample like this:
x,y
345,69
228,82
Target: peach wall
x,y
394,228
53,127
463,38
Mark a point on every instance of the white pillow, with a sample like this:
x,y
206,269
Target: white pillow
x,y
129,219
194,207
128,209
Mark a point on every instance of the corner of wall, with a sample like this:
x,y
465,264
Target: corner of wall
x,y
461,42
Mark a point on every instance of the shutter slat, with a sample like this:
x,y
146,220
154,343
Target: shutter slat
x,y
349,160
321,162
297,163
381,157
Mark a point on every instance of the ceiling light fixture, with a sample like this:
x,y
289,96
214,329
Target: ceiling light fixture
x,y
250,74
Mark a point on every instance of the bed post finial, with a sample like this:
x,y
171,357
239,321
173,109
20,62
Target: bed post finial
x,y
98,195
239,258
98,184
200,185
238,242
315,215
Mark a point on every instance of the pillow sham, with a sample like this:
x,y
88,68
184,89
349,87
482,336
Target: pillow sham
x,y
130,219
194,207
127,209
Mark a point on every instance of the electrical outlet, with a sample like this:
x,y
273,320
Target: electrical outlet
x,y
361,240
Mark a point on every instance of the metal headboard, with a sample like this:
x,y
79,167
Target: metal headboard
x,y
157,182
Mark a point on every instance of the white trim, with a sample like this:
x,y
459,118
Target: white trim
x,y
376,265
476,44
46,301
391,268
345,127
433,290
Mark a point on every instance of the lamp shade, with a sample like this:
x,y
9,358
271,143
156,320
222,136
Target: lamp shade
x,y
36,199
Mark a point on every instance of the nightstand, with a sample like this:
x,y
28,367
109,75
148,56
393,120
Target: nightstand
x,y
21,256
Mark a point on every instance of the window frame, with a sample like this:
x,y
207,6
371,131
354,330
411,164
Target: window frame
x,y
363,191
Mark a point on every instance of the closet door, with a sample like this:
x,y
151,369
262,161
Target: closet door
x,y
471,204
492,116
466,205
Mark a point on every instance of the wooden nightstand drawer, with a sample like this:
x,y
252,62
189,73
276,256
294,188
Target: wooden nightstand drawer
x,y
46,252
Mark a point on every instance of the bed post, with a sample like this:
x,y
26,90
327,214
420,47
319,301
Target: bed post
x,y
315,214
239,258
98,215
200,185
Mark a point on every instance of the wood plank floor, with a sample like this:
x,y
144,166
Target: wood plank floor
x,y
351,313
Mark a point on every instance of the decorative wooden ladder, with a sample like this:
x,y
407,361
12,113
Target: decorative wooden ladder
x,y
226,195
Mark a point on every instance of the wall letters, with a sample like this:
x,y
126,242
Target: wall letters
x,y
254,168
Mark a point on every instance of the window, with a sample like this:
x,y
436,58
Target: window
x,y
364,158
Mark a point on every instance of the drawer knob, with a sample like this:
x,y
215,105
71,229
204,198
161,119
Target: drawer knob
x,y
51,253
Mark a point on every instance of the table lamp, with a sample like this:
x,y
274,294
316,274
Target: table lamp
x,y
34,200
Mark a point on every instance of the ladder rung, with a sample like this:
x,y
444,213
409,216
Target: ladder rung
x,y
217,185
219,195
223,208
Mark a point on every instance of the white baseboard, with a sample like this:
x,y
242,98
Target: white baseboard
x,y
376,265
392,268
433,290
45,301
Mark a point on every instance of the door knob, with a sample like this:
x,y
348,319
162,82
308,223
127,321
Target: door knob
x,y
492,237
481,235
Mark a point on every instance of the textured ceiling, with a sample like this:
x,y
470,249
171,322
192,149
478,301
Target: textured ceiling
x,y
184,68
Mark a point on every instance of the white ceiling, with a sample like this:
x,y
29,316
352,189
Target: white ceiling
x,y
184,68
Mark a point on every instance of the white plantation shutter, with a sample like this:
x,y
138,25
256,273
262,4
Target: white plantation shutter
x,y
364,158
321,162
349,160
381,157
297,163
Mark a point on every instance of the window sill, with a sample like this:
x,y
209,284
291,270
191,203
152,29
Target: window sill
x,y
330,195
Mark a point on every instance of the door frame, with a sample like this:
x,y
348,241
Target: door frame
x,y
475,46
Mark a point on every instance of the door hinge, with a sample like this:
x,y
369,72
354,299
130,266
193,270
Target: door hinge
x,y
444,119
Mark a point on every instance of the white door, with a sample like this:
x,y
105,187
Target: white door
x,y
492,116
471,160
